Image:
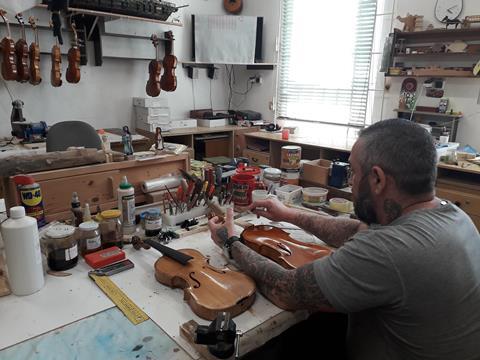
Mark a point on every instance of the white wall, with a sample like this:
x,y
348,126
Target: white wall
x,y
104,95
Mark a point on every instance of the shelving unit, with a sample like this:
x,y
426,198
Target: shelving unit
x,y
190,65
414,53
436,120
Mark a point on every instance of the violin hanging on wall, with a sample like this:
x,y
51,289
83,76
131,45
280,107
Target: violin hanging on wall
x,y
233,6
34,52
153,87
21,52
168,82
73,69
9,61
56,72
207,289
277,245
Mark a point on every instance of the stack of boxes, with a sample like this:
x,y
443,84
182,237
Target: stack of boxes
x,y
151,113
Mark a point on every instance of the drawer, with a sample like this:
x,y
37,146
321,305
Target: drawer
x,y
96,189
257,157
468,202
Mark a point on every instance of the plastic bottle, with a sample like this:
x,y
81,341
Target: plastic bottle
x,y
87,216
76,210
22,249
126,204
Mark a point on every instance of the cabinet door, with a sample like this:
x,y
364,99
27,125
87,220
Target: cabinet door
x,y
96,189
240,142
470,203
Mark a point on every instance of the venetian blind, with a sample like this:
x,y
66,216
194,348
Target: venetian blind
x,y
325,56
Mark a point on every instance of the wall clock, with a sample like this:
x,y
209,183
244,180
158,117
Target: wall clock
x,y
450,9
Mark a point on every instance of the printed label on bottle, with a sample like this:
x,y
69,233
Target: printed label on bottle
x,y
128,209
93,243
153,224
71,253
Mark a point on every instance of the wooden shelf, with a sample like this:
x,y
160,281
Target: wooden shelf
x,y
429,113
457,34
450,54
435,75
190,65
115,15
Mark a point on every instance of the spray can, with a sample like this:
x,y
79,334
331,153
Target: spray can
x,y
22,249
31,198
126,204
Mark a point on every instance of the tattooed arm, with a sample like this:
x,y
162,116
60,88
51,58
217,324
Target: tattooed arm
x,y
334,231
288,289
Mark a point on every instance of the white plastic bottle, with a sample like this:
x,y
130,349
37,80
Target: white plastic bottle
x,y
126,204
22,249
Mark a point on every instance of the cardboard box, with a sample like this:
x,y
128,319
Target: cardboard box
x,y
317,171
150,102
185,123
150,111
152,126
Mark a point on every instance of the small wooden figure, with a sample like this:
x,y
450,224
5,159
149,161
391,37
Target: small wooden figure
x,y
408,22
449,22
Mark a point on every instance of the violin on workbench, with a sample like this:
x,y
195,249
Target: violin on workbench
x,y
56,72
21,52
9,61
34,52
73,69
168,82
153,87
277,245
207,289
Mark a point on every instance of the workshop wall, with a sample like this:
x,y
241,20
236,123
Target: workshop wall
x,y
103,97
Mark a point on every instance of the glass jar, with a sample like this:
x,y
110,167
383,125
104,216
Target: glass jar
x,y
89,237
153,222
111,229
61,248
271,179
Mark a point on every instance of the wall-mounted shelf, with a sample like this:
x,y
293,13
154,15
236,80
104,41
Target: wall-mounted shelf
x,y
115,15
430,113
435,75
190,65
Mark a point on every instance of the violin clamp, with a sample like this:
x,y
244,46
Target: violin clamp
x,y
221,336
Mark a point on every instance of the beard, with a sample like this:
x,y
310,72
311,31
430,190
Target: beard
x,y
363,204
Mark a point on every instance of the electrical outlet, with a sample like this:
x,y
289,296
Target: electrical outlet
x,y
257,79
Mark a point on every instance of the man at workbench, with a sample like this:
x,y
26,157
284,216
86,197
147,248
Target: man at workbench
x,y
407,272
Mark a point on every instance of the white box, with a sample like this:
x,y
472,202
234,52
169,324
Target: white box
x,y
180,124
154,119
212,122
152,127
152,111
150,102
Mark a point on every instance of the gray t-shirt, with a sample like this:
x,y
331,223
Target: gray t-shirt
x,y
412,288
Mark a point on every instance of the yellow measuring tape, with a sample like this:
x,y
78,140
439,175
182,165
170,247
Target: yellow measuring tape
x,y
123,302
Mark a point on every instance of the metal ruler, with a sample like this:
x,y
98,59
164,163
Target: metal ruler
x,y
123,302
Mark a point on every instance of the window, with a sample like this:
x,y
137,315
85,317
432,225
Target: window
x,y
325,58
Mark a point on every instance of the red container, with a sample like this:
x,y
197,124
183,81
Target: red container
x,y
243,185
104,257
285,134
249,170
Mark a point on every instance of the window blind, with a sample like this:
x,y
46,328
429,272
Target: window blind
x,y
325,56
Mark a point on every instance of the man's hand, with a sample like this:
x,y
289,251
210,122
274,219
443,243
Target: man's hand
x,y
272,209
221,230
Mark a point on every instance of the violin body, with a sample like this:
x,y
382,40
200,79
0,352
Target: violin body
x,y
153,87
233,6
56,73
73,69
278,246
168,81
9,62
35,76
207,289
21,51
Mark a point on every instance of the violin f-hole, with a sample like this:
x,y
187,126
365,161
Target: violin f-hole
x,y
197,283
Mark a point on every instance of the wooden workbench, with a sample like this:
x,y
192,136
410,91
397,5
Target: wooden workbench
x,y
66,300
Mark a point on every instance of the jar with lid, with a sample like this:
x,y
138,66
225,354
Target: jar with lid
x,y
60,246
111,228
89,237
271,178
153,222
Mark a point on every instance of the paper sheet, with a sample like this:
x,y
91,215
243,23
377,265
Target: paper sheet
x,y
225,39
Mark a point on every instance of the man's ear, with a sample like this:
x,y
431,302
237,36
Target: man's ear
x,y
378,180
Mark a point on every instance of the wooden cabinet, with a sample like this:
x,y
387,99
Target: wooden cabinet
x,y
257,157
97,184
240,141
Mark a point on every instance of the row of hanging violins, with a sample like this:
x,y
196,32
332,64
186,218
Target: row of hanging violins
x,y
167,81
22,63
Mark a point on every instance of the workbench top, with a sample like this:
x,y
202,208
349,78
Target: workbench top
x,y
65,300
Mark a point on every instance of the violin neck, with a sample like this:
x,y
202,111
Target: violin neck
x,y
169,252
